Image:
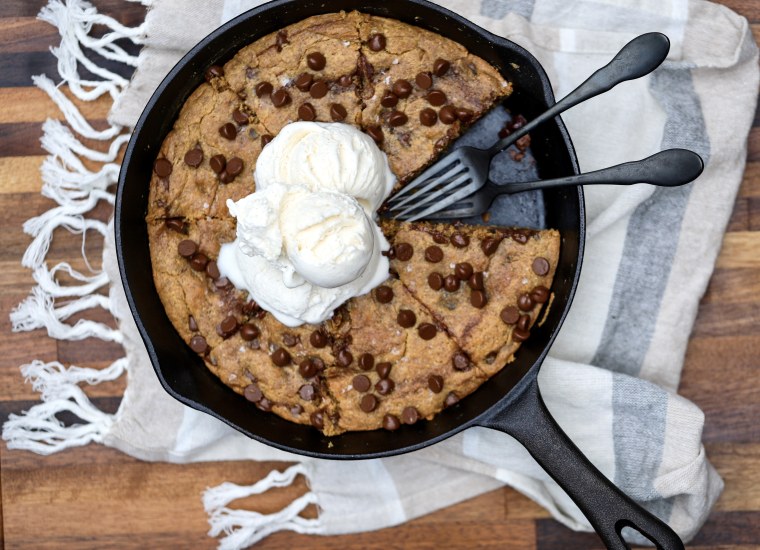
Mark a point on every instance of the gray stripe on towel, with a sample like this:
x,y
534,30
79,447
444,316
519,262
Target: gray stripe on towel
x,y
497,9
647,253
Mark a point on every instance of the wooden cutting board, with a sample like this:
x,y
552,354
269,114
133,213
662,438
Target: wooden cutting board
x,y
95,497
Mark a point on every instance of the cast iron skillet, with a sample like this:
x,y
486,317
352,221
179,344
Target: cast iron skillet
x,y
509,402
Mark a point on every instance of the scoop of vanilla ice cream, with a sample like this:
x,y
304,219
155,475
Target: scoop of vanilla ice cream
x,y
327,236
327,156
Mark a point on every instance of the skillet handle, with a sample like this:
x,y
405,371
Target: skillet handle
x,y
607,508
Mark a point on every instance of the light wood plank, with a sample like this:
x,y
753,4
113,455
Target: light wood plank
x,y
21,174
740,250
30,104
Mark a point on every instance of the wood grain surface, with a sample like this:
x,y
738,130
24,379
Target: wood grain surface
x,y
95,497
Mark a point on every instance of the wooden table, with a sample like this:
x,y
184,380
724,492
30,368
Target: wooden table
x,y
95,497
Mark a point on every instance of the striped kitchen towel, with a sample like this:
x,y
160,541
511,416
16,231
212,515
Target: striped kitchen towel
x,y
612,375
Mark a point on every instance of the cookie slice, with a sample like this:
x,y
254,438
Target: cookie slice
x,y
487,286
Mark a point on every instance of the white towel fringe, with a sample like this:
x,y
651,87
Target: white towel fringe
x,y
244,528
62,291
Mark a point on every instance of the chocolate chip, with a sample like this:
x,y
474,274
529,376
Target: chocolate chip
x,y
440,238
162,168
524,322
519,335
345,81
366,361
361,383
397,118
368,403
228,326
464,115
317,419
280,98
289,339
266,138
476,281
433,254
402,88
307,112
198,261
281,39
376,42
447,114
194,157
249,331
296,410
525,302
539,294
281,357
307,392
384,386
460,361
218,163
307,368
406,318
240,117
228,131
423,80
540,266
428,117
176,224
198,344
303,82
451,399
383,369
316,61
510,315
214,71
391,423
318,90
376,133
441,66
264,405
436,98
520,238
435,281
225,177
404,251
459,240
427,331
212,270
263,88
338,112
187,248
318,339
383,294
478,299
389,99
435,383
192,324
410,415
252,393
489,245
345,358
234,166
451,283
463,271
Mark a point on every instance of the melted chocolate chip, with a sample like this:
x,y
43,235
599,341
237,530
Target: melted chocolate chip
x,y
540,266
384,386
307,392
296,410
281,357
263,88
427,331
289,339
476,281
214,71
318,90
460,361
249,332
225,177
428,117
187,248
435,281
447,114
198,261
280,98
525,302
345,81
264,405
404,251
317,419
281,39
376,42
307,112
338,112
162,168
228,131
194,157
384,294
435,383
459,240
303,82
540,294
389,99
519,237
383,369
198,344
489,245
252,393
451,283
463,271
212,270
464,115
368,403
451,399
402,88
192,324
391,423
228,327
410,415
316,61
433,254
234,166
510,315
366,361
176,224
376,133
218,163
406,318
240,117
478,299
266,138
397,118
318,339
361,383
441,66
524,322
519,335
345,358
423,80
307,368
436,98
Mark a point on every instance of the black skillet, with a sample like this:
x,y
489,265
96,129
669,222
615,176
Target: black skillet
x,y
509,402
